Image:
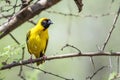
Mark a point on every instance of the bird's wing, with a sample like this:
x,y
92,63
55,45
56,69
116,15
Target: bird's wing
x,y
46,45
43,52
27,36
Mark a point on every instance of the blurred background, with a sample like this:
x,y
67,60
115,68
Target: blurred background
x,y
85,31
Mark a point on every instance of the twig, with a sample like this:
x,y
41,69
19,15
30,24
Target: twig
x,y
68,45
77,15
21,67
5,16
22,77
70,55
118,65
79,4
46,72
91,59
23,51
14,38
111,30
110,63
8,16
90,77
14,7
31,21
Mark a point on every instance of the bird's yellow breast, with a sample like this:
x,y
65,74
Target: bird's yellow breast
x,y
37,42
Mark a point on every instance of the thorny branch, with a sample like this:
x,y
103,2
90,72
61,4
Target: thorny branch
x,y
70,55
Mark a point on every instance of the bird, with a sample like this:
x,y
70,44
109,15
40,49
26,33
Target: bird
x,y
37,38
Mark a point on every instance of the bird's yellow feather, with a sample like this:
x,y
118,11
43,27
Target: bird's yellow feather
x,y
37,38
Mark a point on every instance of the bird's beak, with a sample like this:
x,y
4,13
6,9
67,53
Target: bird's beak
x,y
50,22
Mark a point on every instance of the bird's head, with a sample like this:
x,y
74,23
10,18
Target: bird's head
x,y
45,22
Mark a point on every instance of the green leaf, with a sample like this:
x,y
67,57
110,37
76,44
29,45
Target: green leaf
x,y
112,75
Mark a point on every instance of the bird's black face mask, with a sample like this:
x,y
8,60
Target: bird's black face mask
x,y
46,23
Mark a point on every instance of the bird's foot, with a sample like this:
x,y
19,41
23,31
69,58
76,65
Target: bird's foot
x,y
44,58
30,59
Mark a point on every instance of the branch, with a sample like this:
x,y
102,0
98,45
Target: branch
x,y
31,21
111,30
70,55
90,77
80,15
68,45
24,15
79,4
21,67
14,39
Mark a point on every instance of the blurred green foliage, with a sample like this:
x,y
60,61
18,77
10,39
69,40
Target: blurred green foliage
x,y
83,32
112,76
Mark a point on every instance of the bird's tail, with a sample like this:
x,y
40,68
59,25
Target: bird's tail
x,y
38,63
41,56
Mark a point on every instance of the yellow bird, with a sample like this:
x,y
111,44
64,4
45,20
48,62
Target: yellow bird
x,y
37,38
